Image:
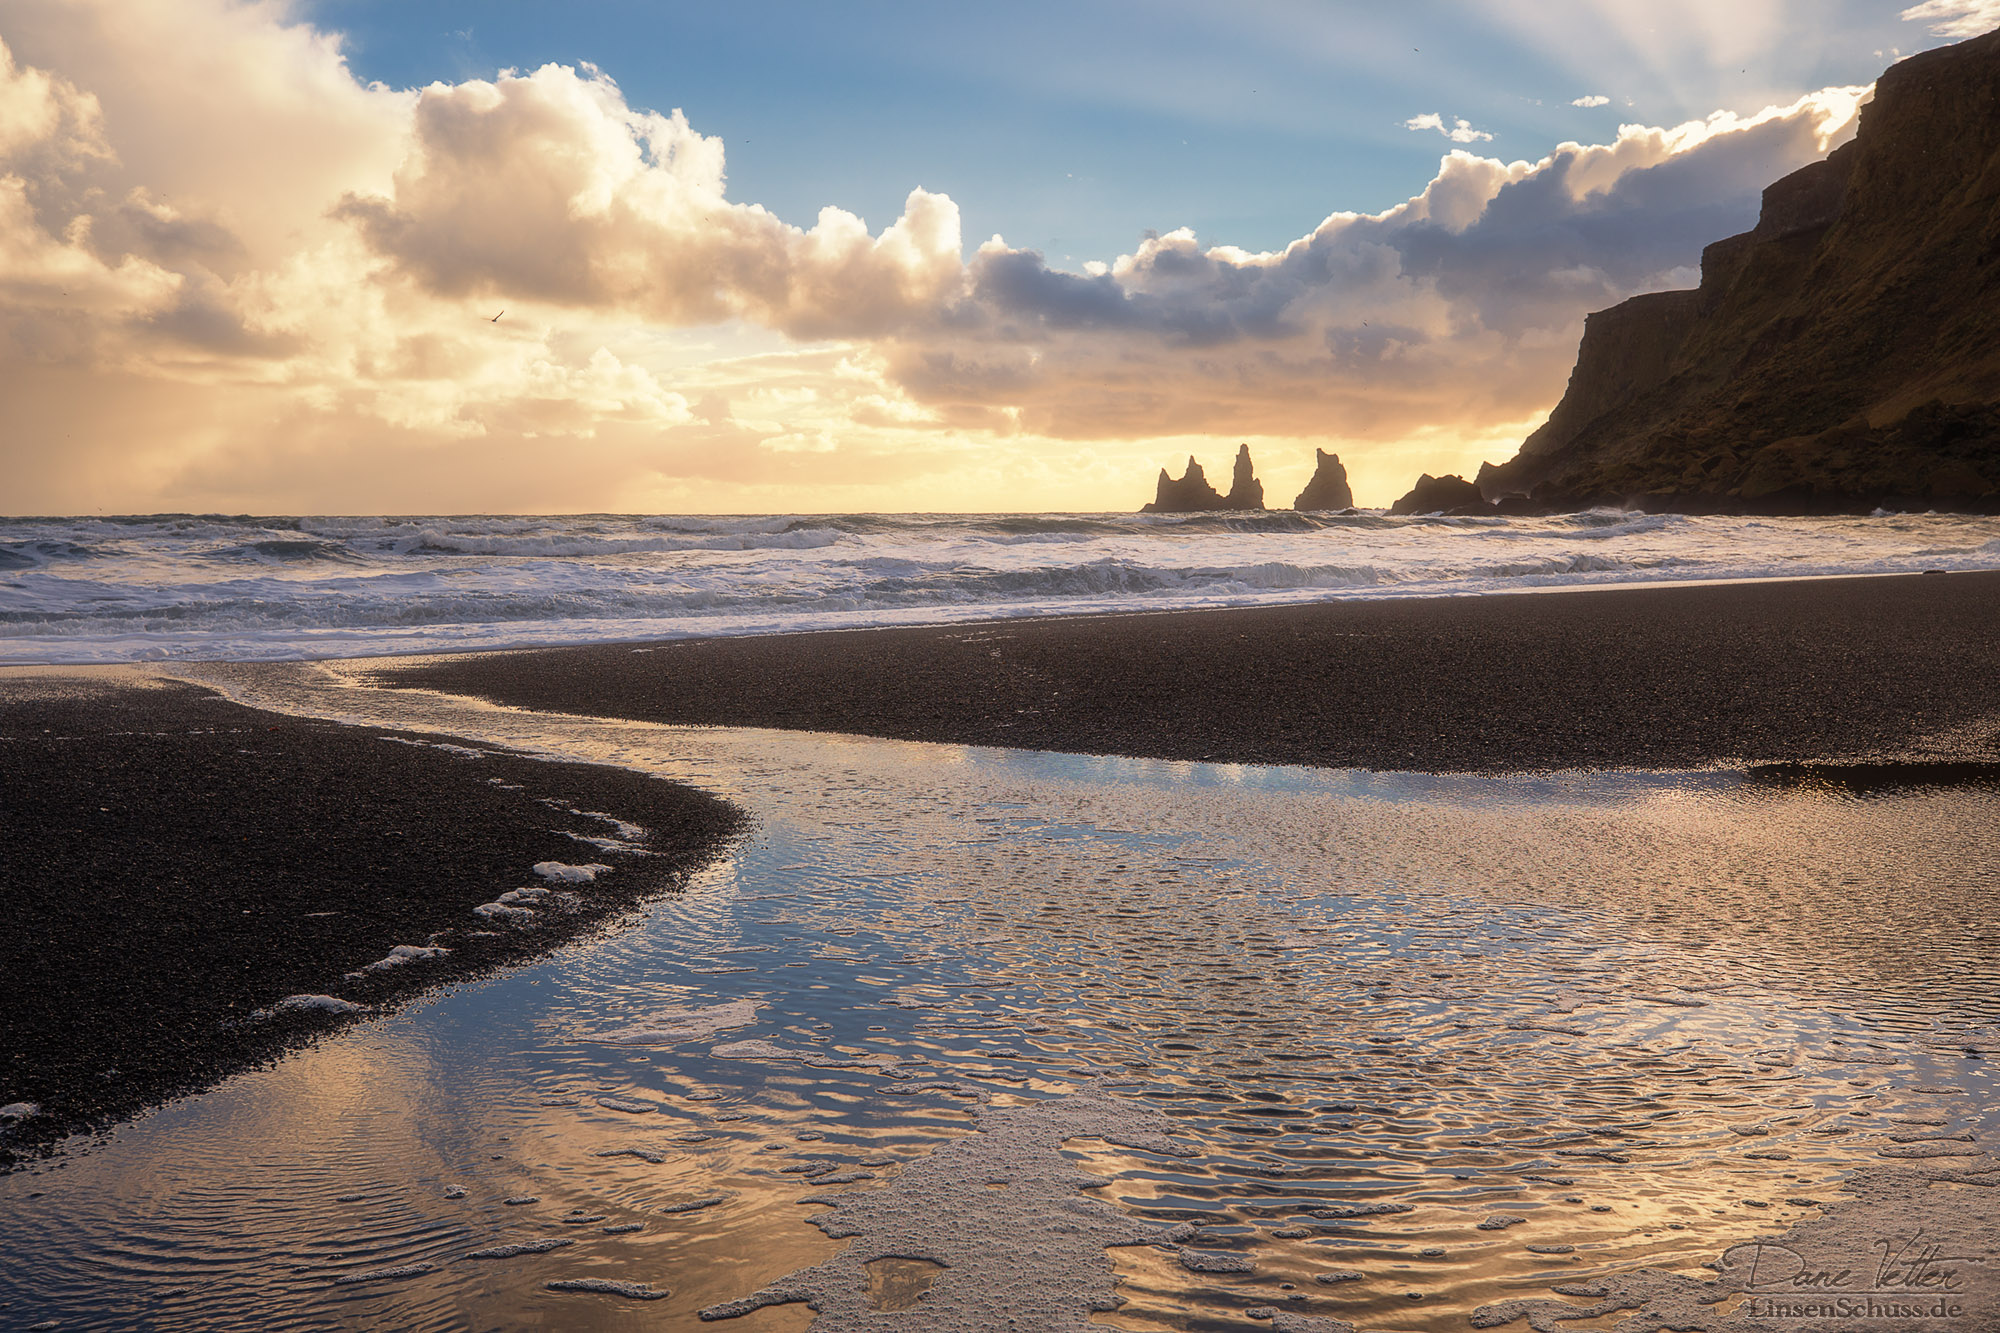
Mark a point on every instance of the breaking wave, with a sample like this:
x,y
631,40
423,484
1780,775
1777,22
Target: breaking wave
x,y
134,588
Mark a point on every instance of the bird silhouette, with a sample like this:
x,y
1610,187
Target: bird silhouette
x,y
496,318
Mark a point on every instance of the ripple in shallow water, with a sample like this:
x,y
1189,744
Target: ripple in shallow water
x,y
1444,1037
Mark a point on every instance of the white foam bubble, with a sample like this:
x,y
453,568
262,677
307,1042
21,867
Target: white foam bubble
x,y
629,1105
523,895
503,912
296,1004
1215,1261
653,1155
756,1050
569,874
385,1274
521,1247
634,1291
405,954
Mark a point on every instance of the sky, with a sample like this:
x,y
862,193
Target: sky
x,y
375,256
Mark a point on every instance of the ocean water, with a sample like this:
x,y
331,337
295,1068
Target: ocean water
x,y
1343,1045
128,589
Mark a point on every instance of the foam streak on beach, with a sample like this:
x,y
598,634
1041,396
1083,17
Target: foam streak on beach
x,y
76,590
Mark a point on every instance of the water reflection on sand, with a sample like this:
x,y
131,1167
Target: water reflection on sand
x,y
1644,1016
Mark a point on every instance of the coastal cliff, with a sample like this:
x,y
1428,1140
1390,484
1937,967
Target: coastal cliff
x,y
1843,354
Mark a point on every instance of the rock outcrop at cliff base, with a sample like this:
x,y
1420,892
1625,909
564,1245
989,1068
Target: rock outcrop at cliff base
x,y
1442,495
1842,355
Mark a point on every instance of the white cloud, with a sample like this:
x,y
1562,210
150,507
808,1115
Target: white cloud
x,y
1462,304
801,442
1593,99
1956,18
231,276
548,186
1459,131
47,116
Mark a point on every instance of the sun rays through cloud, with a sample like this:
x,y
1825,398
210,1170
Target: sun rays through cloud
x,y
237,275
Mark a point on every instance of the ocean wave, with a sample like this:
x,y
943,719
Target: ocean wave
x,y
203,522
1247,521
1596,525
574,547
727,524
278,550
117,589
36,554
1101,577
1569,565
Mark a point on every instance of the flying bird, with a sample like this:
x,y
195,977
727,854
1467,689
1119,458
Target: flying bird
x,y
496,318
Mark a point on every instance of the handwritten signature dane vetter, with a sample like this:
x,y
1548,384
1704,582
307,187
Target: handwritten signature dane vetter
x,y
1909,1278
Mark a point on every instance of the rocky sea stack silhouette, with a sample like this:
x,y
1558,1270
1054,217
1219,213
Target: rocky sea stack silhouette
x,y
1328,488
1842,355
1192,494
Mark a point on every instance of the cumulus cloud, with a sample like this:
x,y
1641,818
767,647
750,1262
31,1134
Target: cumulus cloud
x,y
1592,99
172,184
1956,18
1463,303
232,275
548,186
1459,131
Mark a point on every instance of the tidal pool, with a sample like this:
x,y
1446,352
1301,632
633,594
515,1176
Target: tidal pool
x,y
1372,1047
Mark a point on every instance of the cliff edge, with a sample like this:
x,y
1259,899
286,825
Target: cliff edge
x,y
1843,354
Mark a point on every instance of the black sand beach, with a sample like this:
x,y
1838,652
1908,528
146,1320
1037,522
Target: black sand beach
x,y
1891,669
175,862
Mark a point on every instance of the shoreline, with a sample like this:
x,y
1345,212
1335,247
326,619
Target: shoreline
x,y
1876,668
179,865
1901,1197
142,669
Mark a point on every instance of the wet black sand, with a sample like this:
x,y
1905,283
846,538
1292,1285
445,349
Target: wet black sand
x,y
171,860
1665,677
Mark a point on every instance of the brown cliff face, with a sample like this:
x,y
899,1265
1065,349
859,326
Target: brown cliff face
x,y
1843,354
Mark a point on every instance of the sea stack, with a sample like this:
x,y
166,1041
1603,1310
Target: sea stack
x,y
1328,488
1190,495
1245,491
1193,495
